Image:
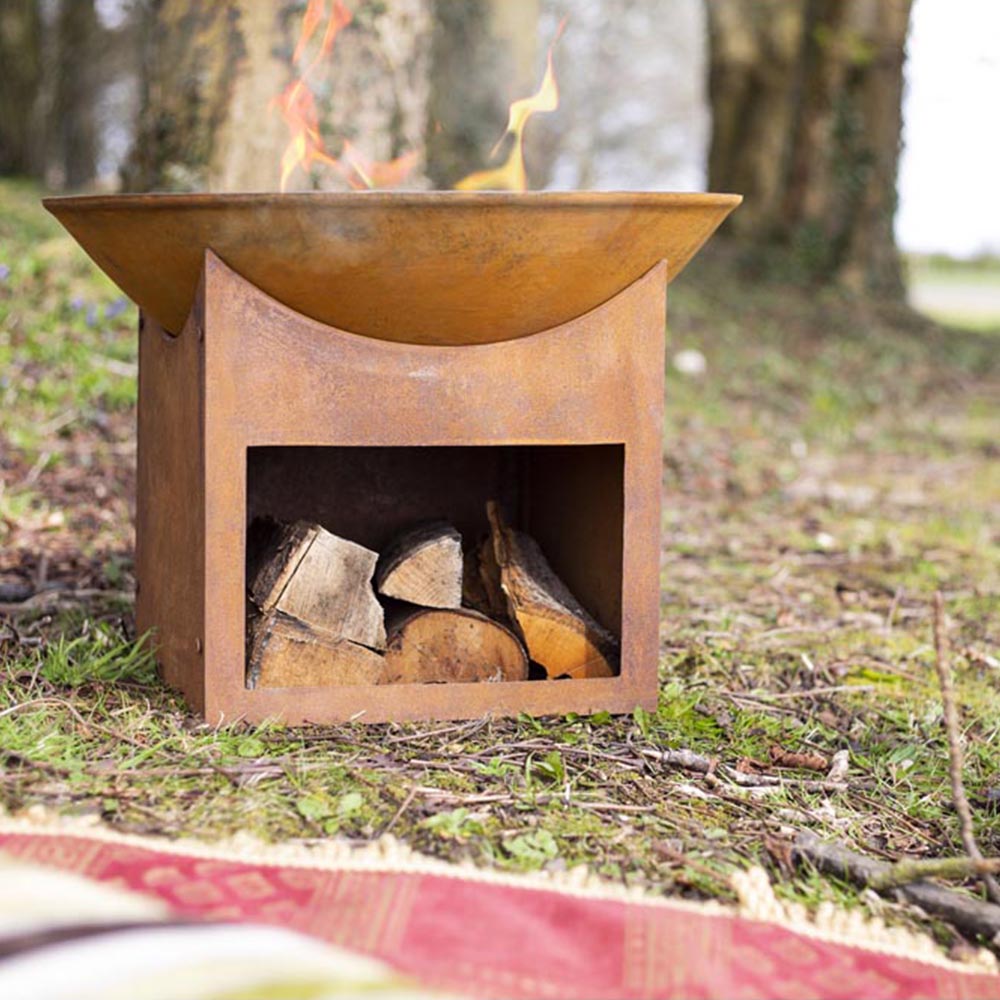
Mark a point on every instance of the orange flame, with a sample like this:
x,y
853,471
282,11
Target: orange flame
x,y
511,175
297,104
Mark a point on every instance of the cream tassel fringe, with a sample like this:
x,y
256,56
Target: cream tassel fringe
x,y
847,927
756,896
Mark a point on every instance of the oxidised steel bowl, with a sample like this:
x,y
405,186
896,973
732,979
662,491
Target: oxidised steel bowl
x,y
433,268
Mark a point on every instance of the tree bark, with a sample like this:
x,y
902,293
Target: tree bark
x,y
806,101
214,66
73,158
20,79
484,55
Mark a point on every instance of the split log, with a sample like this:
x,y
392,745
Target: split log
x,y
561,636
432,645
285,652
481,582
323,580
423,566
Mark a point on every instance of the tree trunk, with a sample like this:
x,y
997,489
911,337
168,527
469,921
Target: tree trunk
x,y
214,66
73,156
484,55
20,79
806,101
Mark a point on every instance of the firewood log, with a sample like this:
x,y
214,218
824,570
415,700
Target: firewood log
x,y
285,652
423,566
481,583
434,645
560,635
322,580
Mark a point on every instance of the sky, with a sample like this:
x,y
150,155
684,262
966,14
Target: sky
x,y
950,167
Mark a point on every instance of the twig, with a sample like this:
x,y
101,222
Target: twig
x,y
915,869
812,692
968,915
399,812
56,597
951,725
896,598
780,781
687,759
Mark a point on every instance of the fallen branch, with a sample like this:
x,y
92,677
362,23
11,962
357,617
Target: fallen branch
x,y
54,598
955,762
971,916
916,869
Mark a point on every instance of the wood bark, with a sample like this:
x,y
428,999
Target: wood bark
x,y
969,915
430,645
806,101
285,652
20,80
423,566
212,68
481,582
560,635
73,158
324,581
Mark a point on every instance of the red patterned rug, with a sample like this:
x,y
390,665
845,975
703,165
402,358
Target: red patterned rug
x,y
491,936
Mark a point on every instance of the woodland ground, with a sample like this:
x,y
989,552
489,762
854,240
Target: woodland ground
x,y
831,469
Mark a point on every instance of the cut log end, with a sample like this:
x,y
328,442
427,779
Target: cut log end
x,y
451,646
322,580
423,566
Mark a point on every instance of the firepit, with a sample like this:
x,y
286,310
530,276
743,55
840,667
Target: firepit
x,y
414,440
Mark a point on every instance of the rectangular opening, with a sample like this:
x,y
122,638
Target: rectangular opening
x,y
568,498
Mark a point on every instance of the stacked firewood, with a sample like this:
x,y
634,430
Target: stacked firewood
x,y
327,611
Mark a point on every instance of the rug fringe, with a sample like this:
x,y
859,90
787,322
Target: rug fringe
x,y
757,900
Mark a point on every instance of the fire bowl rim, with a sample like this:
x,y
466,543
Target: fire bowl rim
x,y
549,199
448,268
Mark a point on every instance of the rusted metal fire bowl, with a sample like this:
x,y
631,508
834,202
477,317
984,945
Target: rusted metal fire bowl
x,y
434,268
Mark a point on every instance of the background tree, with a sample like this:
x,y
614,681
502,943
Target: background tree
x,y
483,56
73,134
806,102
56,62
20,82
212,68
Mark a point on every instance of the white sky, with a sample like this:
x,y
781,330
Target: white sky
x,y
950,169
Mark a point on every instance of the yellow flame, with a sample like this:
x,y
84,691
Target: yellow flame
x,y
297,104
511,174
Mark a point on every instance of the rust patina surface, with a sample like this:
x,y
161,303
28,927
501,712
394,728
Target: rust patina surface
x,y
430,268
459,393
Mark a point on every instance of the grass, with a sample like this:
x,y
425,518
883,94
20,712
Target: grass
x,y
833,466
963,293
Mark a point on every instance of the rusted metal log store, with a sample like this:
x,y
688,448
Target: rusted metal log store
x,y
355,408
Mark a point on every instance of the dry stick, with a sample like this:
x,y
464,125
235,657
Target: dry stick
x,y
968,915
910,870
951,725
686,759
399,812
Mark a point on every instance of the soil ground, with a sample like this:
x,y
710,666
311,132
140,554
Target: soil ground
x,y
829,469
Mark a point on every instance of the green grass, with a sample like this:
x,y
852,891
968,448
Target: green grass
x,y
834,466
961,293
68,333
